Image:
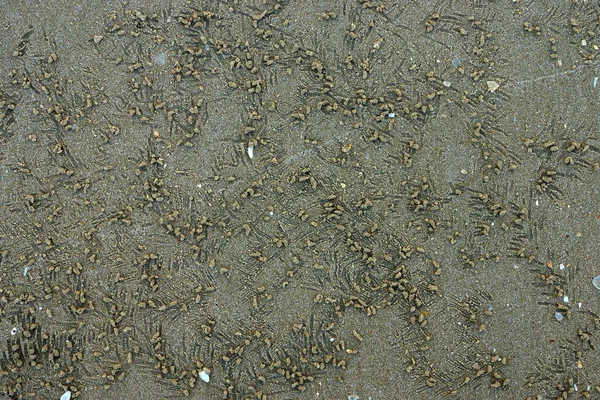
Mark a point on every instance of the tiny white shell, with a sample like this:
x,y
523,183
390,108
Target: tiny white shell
x,y
251,151
558,316
492,86
204,376
66,395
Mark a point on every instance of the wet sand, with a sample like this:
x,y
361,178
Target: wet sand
x,y
299,200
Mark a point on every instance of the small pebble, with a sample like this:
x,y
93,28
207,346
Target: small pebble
x,y
558,316
66,395
447,83
596,282
566,299
353,397
391,115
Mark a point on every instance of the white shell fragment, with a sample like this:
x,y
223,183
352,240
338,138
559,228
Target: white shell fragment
x,y
558,316
492,86
251,151
66,395
205,376
596,282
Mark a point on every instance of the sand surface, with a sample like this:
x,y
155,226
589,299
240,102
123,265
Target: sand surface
x,y
299,199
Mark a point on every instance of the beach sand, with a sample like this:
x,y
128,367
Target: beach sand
x,y
299,199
